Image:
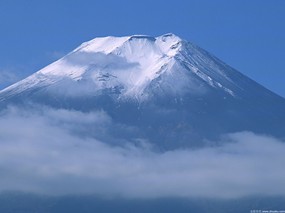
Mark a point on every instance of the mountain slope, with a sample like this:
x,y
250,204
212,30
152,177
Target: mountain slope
x,y
168,91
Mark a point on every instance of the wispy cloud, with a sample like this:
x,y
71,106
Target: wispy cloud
x,y
41,152
8,77
55,55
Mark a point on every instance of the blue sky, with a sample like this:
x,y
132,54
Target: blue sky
x,y
248,35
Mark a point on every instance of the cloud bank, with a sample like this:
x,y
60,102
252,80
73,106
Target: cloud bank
x,y
42,151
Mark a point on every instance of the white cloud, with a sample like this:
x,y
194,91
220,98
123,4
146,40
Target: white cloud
x,y
55,55
40,153
7,77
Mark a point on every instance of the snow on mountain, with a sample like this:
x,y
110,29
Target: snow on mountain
x,y
129,65
165,88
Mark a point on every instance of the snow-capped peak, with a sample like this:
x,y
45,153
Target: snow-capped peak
x,y
129,66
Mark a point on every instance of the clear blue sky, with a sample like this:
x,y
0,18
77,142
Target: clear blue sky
x,y
249,35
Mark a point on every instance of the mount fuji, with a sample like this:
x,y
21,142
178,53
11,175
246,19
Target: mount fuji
x,y
166,90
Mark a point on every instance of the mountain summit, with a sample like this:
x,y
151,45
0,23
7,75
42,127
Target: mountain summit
x,y
170,91
129,66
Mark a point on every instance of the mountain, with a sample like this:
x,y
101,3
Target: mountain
x,y
170,92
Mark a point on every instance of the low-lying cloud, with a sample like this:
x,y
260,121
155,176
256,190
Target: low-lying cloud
x,y
41,152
